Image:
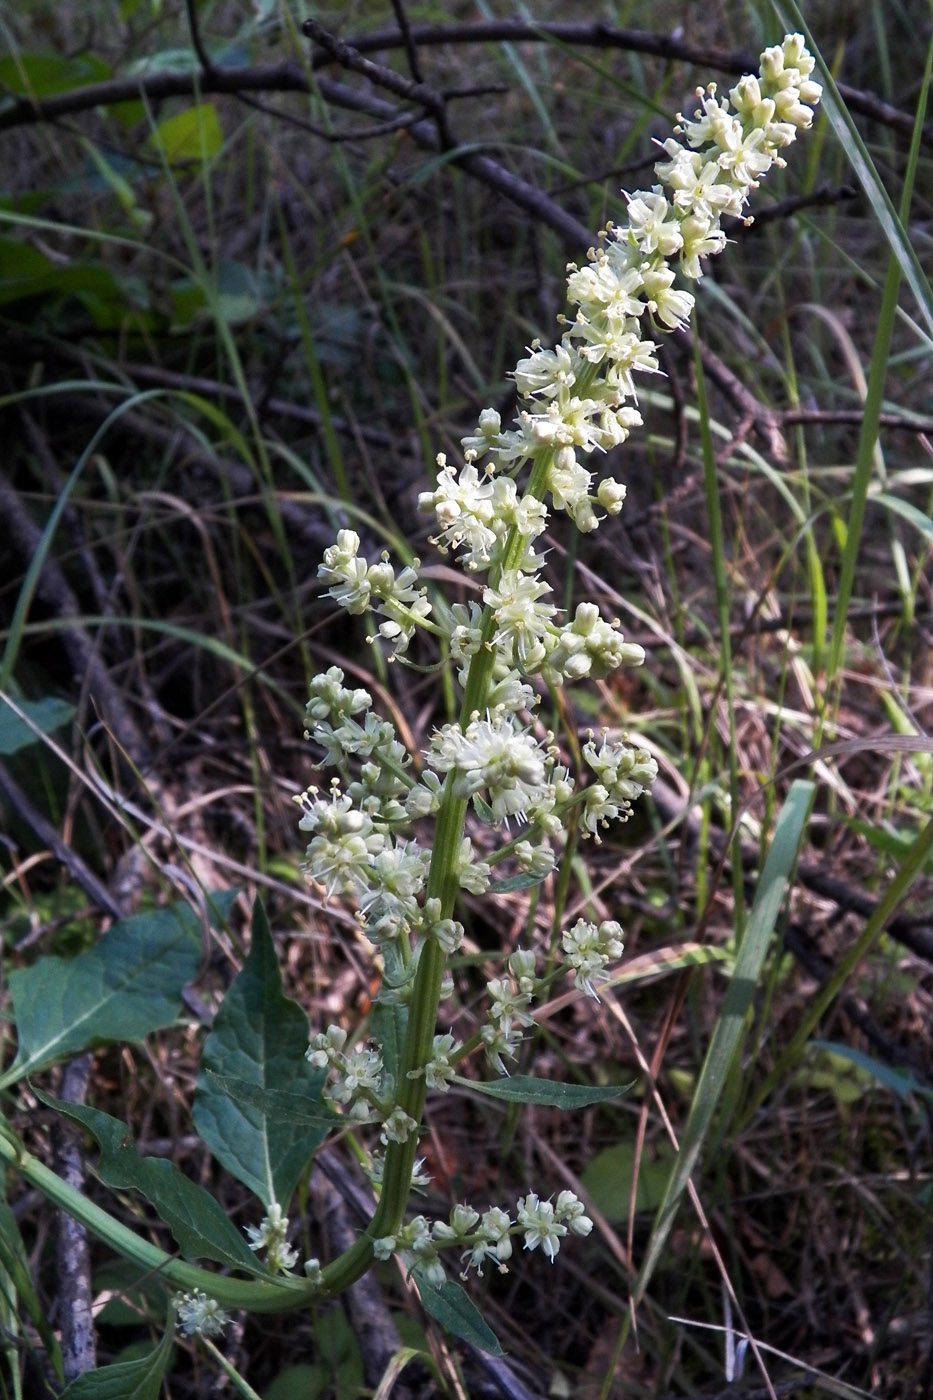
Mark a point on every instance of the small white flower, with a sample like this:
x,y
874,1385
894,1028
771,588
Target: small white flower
x,y
541,1228
438,1072
508,1006
199,1315
652,224
270,1235
610,495
398,1127
521,620
494,755
522,968
496,1042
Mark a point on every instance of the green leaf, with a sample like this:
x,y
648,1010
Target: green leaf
x,y
201,1227
238,298
27,274
48,715
387,1023
259,1040
286,1105
909,512
524,1088
41,75
454,1309
607,1180
193,134
128,984
127,1380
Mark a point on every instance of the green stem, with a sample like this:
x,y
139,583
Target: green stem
x,y
443,884
266,1295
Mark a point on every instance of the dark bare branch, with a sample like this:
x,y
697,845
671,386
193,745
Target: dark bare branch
x,y
293,77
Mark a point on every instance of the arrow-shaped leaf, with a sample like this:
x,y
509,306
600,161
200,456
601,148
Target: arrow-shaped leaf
x,y
259,1042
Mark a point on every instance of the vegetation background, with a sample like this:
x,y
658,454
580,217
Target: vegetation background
x,y
238,312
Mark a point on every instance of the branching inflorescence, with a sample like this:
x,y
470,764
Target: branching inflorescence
x,y
367,832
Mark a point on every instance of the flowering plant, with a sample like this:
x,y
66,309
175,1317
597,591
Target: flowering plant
x,y
367,832
390,832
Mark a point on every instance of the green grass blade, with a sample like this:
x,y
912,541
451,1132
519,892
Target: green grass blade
x,y
729,1027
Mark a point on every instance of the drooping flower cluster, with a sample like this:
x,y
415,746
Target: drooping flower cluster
x,y
366,834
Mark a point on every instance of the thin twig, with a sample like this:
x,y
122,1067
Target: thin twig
x,y
197,43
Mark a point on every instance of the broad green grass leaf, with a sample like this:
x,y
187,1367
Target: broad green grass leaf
x,y
524,1088
727,1033
454,1309
193,134
127,1380
892,843
259,1038
128,984
202,1229
48,715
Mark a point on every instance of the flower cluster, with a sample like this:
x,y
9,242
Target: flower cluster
x,y
589,948
486,1237
271,1234
360,587
366,835
359,1082
508,1014
575,394
622,773
199,1315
